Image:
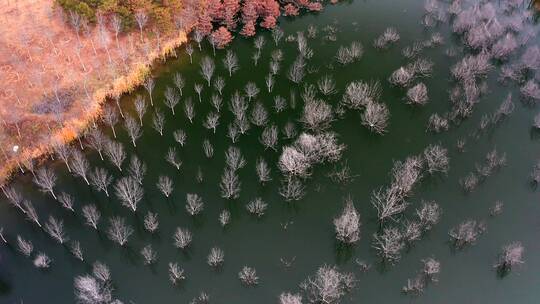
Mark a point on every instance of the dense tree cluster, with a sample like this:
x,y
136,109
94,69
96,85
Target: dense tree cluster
x,y
215,19
293,146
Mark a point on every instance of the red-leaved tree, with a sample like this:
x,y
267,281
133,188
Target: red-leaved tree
x,y
290,10
204,22
230,10
222,37
269,11
249,17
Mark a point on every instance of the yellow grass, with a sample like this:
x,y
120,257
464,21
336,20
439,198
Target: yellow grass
x,y
31,70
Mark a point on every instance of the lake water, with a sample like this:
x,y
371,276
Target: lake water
x,y
467,276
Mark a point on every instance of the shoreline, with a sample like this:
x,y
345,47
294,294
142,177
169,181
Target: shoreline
x,y
119,86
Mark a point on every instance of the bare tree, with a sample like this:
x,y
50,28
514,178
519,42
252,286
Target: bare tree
x,y
104,36
217,102
317,115
46,180
328,285
428,215
207,68
347,225
189,51
230,185
116,153
91,215
88,290
269,80
296,70
359,94
428,274
119,232
375,117
116,24
179,82
133,129
208,148
257,207
141,18
511,256
269,137
173,159
233,132
238,105
76,250
230,61
180,137
289,298
234,159
189,109
182,238
63,152
151,223
129,192
100,179
198,36
55,228
466,233
42,260
327,85
165,185
274,67
436,159
140,108
292,189
294,162
66,201
171,98
219,84
277,34
97,140
176,274
255,57
224,217
417,95
259,43
401,77
212,121
496,209
388,244
14,197
76,21
149,254
437,123
259,115
251,90
263,170
216,257
289,130
388,37
110,118
101,272
198,89
248,276
137,169
80,165
31,213
25,247
158,122
194,204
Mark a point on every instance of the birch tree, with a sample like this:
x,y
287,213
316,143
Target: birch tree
x,y
129,192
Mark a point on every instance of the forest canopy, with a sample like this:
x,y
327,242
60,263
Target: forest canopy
x,y
159,11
